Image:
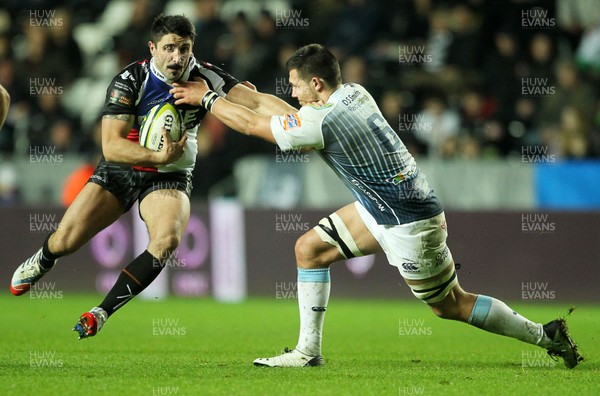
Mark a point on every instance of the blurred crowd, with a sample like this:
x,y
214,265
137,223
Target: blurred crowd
x,y
455,79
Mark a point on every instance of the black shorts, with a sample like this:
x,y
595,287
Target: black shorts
x,y
129,185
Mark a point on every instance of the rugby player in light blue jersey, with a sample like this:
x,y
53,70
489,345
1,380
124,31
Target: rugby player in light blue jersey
x,y
396,210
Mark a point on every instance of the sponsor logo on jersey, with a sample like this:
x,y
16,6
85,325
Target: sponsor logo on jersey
x,y
291,121
119,97
440,258
126,75
397,179
350,98
401,176
410,267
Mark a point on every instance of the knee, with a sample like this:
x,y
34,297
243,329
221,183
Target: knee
x,y
307,254
445,312
164,245
456,306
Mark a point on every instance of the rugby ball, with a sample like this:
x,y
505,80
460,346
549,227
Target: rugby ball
x,y
162,115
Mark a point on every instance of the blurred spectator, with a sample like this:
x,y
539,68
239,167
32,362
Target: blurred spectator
x,y
394,107
588,52
463,52
47,110
480,123
574,134
569,91
63,58
5,49
542,53
9,187
355,26
131,43
61,136
321,14
209,29
249,56
439,40
437,127
577,16
267,44
354,69
275,80
503,71
520,125
30,55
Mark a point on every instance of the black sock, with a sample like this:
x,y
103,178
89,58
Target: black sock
x,y
48,258
140,273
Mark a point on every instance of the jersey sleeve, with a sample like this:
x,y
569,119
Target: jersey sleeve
x,y
218,80
302,129
122,92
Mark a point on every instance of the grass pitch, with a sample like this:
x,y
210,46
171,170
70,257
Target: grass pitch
x,y
201,347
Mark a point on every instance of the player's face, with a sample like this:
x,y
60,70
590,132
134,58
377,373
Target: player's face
x,y
302,90
171,55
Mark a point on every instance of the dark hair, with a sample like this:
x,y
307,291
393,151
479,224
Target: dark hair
x,y
166,24
314,60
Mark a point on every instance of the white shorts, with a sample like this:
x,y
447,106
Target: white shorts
x,y
418,249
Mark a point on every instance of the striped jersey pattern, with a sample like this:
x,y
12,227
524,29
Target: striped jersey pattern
x,y
369,157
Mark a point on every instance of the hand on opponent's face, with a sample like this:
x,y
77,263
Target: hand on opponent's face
x,y
189,92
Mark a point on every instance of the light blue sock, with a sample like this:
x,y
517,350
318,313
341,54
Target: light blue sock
x,y
496,317
314,286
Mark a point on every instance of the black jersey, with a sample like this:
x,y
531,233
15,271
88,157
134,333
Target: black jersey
x,y
141,86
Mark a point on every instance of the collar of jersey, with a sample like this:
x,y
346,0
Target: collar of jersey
x,y
337,95
184,76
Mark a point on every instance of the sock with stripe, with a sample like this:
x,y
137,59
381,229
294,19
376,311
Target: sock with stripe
x,y
496,317
314,286
140,273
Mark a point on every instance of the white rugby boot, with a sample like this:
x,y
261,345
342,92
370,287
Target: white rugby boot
x,y
291,358
28,273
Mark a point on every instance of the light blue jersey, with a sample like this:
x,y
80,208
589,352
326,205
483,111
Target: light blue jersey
x,y
353,138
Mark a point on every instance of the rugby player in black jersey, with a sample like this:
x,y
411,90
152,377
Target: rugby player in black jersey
x,y
159,181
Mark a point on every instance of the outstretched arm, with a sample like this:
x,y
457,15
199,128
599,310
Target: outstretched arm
x,y
258,102
233,115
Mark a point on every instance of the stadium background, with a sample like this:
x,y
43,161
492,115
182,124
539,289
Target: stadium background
x,y
498,101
